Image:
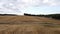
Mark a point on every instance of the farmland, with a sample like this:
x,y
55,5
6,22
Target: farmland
x,y
28,25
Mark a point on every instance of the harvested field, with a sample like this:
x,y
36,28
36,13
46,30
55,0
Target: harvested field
x,y
27,19
28,25
28,29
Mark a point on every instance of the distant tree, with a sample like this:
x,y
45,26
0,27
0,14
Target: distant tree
x,y
54,16
8,15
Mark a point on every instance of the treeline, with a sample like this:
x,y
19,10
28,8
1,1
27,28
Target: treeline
x,y
54,16
8,15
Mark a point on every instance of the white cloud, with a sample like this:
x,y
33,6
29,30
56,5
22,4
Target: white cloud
x,y
27,3
52,2
23,4
45,1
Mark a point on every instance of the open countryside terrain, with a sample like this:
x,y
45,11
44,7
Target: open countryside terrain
x,y
28,25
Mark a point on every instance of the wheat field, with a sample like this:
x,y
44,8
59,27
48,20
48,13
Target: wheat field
x,y
28,25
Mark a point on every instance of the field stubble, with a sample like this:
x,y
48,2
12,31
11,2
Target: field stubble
x,y
28,25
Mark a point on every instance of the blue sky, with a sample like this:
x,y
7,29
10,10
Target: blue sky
x,y
43,10
29,6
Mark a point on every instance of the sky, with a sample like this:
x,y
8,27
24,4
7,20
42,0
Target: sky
x,y
29,6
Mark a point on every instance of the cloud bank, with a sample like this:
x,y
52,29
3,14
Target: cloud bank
x,y
16,6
